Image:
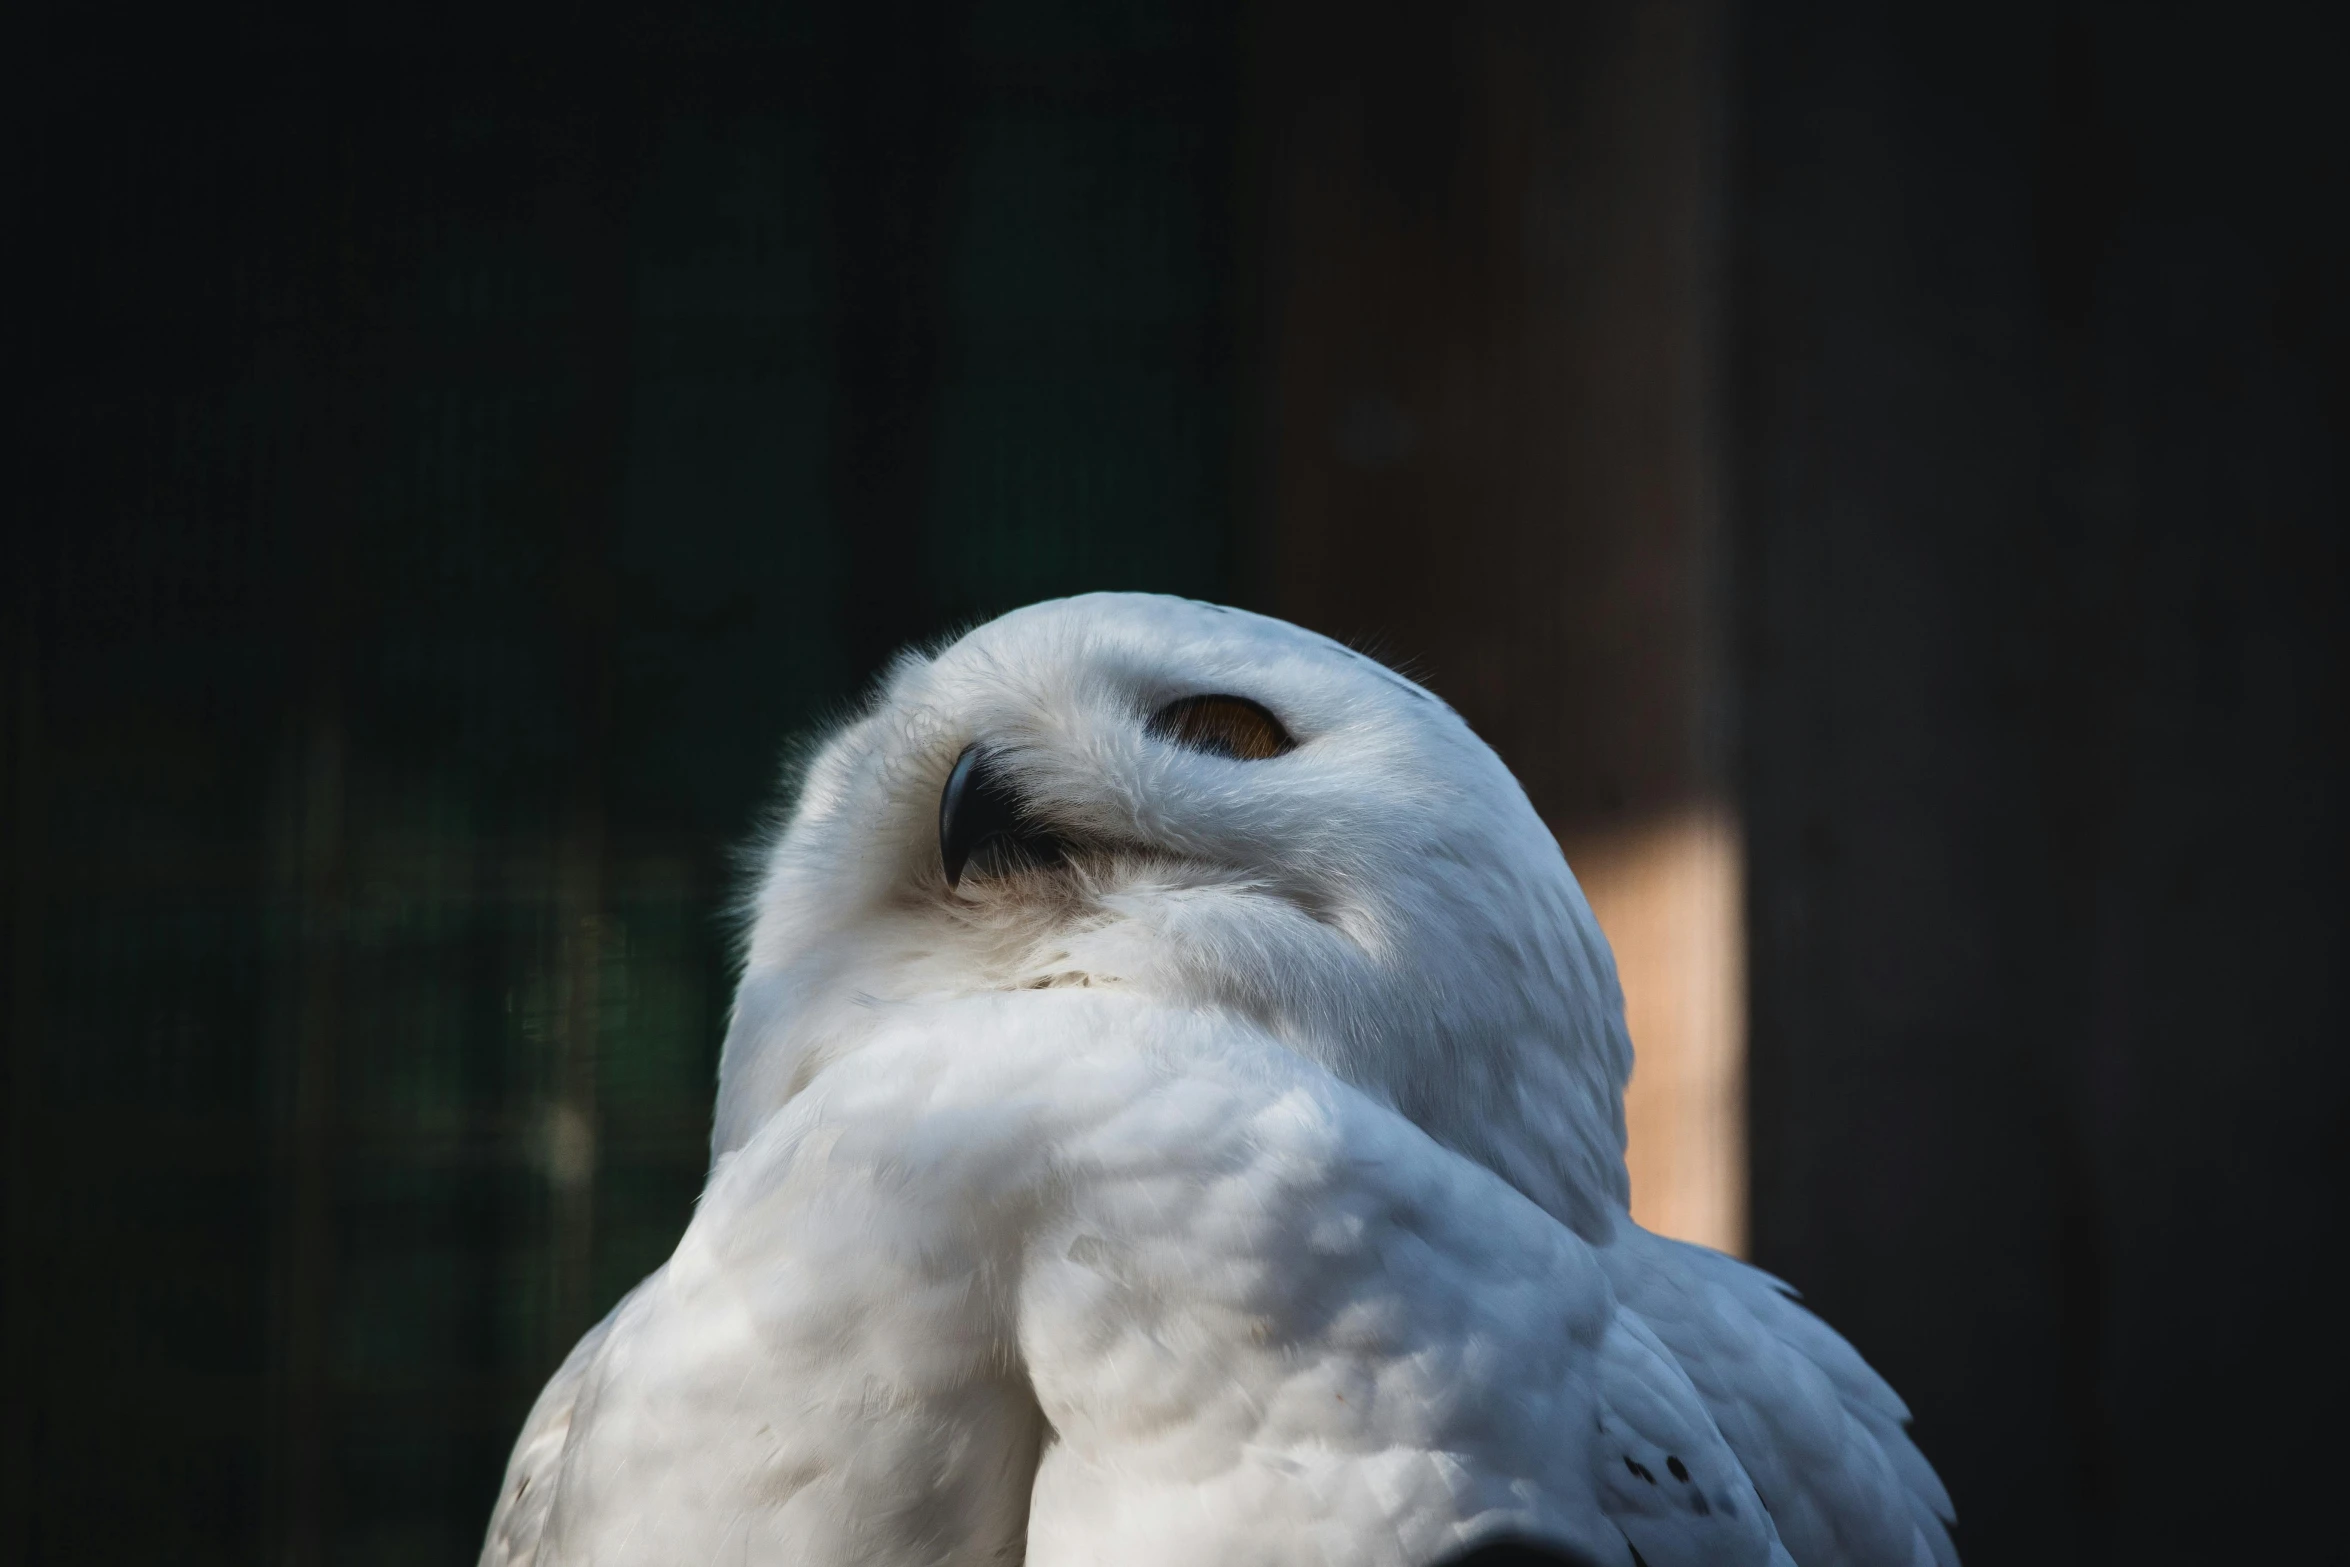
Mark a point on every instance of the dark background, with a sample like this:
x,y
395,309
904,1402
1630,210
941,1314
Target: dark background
x,y
458,450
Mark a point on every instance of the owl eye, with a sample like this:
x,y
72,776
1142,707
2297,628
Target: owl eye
x,y
1230,726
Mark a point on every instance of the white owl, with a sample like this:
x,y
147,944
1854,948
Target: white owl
x,y
1173,1114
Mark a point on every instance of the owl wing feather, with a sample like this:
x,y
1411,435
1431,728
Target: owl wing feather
x,y
1277,1323
1820,1432
520,1519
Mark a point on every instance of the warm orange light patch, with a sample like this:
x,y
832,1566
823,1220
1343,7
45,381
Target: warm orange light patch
x,y
1668,894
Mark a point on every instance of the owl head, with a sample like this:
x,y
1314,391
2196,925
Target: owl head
x,y
1200,808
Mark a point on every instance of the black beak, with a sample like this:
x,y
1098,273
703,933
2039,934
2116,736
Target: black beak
x,y
980,814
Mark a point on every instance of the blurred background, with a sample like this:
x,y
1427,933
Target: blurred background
x,y
1874,472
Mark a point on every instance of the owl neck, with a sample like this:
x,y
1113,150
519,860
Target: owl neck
x,y
1523,1056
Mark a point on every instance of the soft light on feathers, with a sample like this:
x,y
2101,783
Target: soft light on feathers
x,y
1241,1182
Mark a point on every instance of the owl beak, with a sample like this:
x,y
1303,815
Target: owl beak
x,y
981,815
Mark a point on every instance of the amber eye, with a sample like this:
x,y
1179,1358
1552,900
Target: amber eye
x,y
1230,726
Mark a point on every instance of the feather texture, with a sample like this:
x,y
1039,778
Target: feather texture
x,y
1243,1183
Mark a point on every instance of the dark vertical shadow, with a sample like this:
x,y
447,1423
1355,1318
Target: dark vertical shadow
x,y
1486,411
894,109
2081,191
2040,532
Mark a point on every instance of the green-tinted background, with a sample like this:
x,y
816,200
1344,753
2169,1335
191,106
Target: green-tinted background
x,y
468,468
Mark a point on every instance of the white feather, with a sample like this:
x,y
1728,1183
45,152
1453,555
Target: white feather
x,y
1247,1189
